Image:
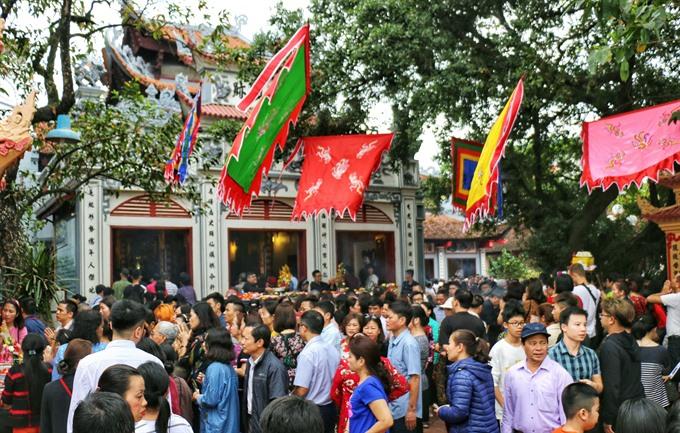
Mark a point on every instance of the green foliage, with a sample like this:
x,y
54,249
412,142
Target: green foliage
x,y
458,61
627,28
128,143
34,278
509,266
435,190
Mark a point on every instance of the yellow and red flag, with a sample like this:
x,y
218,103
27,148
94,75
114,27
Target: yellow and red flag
x,y
483,192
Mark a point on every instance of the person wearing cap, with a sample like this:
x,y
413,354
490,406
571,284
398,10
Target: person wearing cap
x,y
533,389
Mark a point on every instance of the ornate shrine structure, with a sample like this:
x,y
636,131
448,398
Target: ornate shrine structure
x,y
109,228
668,220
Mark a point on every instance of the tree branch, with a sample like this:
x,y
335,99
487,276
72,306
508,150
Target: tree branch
x,y
7,8
97,30
68,94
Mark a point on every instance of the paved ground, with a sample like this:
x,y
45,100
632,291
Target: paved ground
x,y
436,426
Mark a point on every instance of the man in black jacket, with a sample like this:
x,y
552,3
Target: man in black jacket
x,y
619,360
265,377
461,319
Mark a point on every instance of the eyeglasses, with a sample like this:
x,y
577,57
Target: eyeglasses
x,y
518,324
605,315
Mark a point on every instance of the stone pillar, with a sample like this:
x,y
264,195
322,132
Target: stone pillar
x,y
483,268
441,262
89,226
324,246
210,244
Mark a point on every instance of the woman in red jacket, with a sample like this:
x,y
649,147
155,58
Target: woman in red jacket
x,y
24,385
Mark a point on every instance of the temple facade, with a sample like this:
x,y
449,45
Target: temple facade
x,y
110,228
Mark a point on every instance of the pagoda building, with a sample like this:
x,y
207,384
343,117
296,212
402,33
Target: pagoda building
x,y
109,228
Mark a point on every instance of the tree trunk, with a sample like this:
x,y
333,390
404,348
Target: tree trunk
x,y
13,240
597,202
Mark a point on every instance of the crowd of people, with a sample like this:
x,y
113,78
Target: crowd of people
x,y
544,355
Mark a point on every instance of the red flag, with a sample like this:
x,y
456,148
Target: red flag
x,y
337,171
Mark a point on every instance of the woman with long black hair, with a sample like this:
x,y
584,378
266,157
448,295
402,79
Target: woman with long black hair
x,y
87,325
158,417
13,320
192,353
56,396
218,398
24,385
369,409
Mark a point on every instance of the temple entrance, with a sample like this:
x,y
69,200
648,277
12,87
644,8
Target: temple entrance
x,y
357,248
265,252
153,251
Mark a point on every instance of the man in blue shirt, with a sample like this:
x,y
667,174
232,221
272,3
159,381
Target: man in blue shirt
x,y
316,367
404,353
331,333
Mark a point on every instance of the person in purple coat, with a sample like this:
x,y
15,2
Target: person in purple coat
x,y
186,289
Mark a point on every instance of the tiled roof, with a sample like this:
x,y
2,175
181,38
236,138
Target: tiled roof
x,y
221,111
444,227
145,79
511,241
664,214
193,38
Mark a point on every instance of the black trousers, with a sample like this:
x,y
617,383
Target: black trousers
x,y
329,416
400,426
674,349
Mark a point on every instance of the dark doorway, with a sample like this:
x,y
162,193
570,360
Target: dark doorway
x,y
358,248
265,252
153,251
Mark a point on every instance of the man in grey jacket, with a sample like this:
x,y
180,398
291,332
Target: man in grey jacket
x,y
265,378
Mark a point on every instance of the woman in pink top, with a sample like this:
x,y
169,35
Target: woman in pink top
x,y
13,320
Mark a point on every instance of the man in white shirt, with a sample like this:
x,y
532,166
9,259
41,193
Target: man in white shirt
x,y
331,333
316,366
670,297
127,321
170,287
589,295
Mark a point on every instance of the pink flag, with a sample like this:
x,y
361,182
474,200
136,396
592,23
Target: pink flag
x,y
630,147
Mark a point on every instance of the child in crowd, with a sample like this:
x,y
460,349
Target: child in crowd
x,y
581,408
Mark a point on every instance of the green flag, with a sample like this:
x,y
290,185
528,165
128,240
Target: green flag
x,y
278,95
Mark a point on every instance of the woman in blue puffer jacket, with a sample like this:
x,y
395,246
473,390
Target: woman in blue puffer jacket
x,y
470,386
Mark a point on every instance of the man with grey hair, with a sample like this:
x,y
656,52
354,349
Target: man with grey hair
x,y
164,332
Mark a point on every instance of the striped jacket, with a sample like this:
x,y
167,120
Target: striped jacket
x,y
15,395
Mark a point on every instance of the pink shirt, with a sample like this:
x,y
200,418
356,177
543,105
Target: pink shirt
x,y
18,334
